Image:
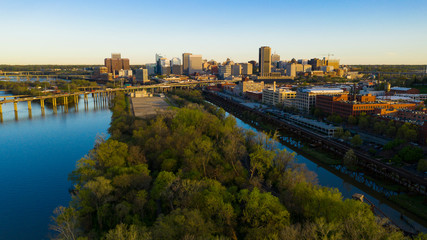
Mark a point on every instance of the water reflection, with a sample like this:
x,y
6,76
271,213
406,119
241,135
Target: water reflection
x,y
19,111
36,155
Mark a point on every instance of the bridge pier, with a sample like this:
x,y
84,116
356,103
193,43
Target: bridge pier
x,y
42,103
29,105
15,106
1,108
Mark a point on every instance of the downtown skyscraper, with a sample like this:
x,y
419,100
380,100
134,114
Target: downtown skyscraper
x,y
264,61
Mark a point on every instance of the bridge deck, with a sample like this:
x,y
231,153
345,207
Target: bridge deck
x,y
128,89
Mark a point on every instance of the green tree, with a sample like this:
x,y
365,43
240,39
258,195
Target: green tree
x,y
339,132
260,160
411,154
352,120
263,215
99,189
182,224
65,223
422,165
112,153
356,141
406,132
123,232
350,159
363,122
346,135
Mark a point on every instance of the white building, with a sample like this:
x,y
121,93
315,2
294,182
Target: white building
x,y
305,98
195,64
175,61
247,69
125,73
273,96
293,68
320,127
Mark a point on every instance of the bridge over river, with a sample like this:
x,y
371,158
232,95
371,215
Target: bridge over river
x,y
98,95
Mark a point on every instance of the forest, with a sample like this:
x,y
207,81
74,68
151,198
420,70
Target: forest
x,y
192,173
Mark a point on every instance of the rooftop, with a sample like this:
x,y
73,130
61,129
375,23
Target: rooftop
x,y
320,90
312,122
400,88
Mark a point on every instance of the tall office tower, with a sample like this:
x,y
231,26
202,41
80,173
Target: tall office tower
x,y
275,57
195,64
158,56
315,63
175,61
141,75
254,66
185,62
166,70
264,61
246,69
335,63
225,71
162,63
176,69
151,68
236,70
116,55
116,63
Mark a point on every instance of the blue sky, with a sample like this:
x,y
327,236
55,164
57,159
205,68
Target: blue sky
x,y
85,32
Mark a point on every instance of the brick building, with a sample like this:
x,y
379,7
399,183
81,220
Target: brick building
x,y
346,105
116,63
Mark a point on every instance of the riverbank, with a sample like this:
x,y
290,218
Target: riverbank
x,y
325,158
196,173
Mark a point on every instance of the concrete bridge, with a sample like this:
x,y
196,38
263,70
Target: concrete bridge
x,y
38,77
98,95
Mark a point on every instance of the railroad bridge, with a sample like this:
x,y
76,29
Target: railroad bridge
x,y
98,95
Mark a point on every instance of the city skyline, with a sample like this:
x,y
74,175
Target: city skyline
x,y
363,32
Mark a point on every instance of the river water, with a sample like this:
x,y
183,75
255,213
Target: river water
x,y
348,188
36,156
38,152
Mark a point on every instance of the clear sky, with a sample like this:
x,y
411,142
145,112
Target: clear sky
x,y
85,32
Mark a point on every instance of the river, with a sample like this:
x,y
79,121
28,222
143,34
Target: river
x,y
348,188
37,153
36,156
